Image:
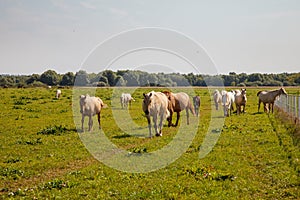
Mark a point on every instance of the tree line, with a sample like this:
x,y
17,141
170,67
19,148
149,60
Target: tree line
x,y
141,78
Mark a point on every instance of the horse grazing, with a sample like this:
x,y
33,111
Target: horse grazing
x,y
196,102
155,104
58,93
126,99
227,102
240,100
268,97
178,102
217,98
90,106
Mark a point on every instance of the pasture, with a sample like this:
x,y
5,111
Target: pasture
x,y
42,155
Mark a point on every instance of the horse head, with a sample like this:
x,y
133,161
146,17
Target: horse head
x,y
243,92
282,91
147,102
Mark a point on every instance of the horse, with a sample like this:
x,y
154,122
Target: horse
x,y
155,104
178,102
268,97
90,106
217,98
227,102
240,100
125,99
58,93
196,102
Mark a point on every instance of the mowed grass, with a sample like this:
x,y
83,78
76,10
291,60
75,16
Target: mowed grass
x,y
42,155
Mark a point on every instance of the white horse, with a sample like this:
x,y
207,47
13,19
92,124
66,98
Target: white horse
x,y
227,102
58,93
126,99
90,106
155,104
217,99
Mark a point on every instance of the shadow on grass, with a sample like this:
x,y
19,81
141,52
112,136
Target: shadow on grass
x,y
257,113
121,136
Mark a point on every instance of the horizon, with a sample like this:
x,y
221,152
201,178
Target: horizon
x,y
2,74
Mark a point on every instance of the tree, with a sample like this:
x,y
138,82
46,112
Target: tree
x,y
32,78
50,77
111,77
68,79
81,78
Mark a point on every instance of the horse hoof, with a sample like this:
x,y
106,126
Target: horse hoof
x,y
158,134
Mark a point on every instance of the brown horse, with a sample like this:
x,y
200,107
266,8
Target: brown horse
x,y
178,102
268,97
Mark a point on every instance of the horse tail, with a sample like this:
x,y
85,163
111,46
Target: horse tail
x,y
191,109
258,93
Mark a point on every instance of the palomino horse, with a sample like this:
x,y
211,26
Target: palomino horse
x,y
196,102
90,106
240,100
178,102
268,97
155,104
217,98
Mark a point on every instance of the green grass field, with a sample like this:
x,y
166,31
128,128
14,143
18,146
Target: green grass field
x,y
43,156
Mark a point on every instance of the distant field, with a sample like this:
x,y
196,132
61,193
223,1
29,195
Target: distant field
x,y
42,155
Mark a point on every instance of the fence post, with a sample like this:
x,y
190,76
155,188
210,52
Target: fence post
x,y
299,107
295,107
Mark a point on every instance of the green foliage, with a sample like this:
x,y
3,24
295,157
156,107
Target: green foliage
x,y
56,184
140,78
68,79
50,77
53,130
11,173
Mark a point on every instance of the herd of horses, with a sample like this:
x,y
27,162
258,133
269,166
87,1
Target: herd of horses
x,y
161,105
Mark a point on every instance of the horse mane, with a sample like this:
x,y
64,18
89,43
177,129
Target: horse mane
x,y
258,93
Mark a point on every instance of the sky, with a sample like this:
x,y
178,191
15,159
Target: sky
x,y
250,36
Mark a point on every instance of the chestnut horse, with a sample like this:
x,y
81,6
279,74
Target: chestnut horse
x,y
178,102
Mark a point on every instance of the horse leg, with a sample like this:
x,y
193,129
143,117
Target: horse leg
x,y
259,102
160,125
169,119
155,124
272,104
90,123
99,120
187,116
149,125
178,117
82,122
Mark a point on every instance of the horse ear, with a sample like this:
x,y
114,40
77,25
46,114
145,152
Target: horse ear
x,y
144,94
150,94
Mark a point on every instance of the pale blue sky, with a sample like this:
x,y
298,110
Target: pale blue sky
x,y
241,36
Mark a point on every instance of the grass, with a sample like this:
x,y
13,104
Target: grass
x,y
255,156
